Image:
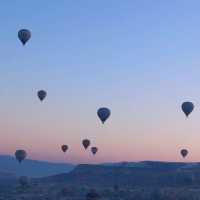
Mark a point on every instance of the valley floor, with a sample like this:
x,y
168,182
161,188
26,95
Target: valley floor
x,y
62,192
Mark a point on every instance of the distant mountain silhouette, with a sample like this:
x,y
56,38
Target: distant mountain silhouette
x,y
32,168
146,173
150,164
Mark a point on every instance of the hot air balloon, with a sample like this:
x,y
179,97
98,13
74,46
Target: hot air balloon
x,y
23,180
92,195
64,148
20,155
187,107
24,35
94,150
86,143
184,152
42,94
103,114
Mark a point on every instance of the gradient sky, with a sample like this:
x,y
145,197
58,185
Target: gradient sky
x,y
140,58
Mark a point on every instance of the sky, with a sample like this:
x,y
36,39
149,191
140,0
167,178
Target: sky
x,y
140,58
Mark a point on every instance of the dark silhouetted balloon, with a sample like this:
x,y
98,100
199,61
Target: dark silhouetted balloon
x,y
92,195
184,152
20,155
64,148
187,107
24,35
42,94
103,114
24,181
86,143
94,150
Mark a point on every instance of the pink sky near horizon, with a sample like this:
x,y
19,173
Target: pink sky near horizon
x,y
123,138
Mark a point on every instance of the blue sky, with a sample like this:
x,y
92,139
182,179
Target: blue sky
x,y
140,58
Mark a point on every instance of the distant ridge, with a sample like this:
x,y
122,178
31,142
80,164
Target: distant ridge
x,y
32,168
145,173
154,164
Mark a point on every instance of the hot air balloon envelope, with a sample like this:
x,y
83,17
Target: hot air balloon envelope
x,y
20,155
42,94
103,114
86,143
187,107
24,35
92,195
64,148
94,150
23,180
184,152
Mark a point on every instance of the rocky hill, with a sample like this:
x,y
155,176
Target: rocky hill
x,y
147,173
32,168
